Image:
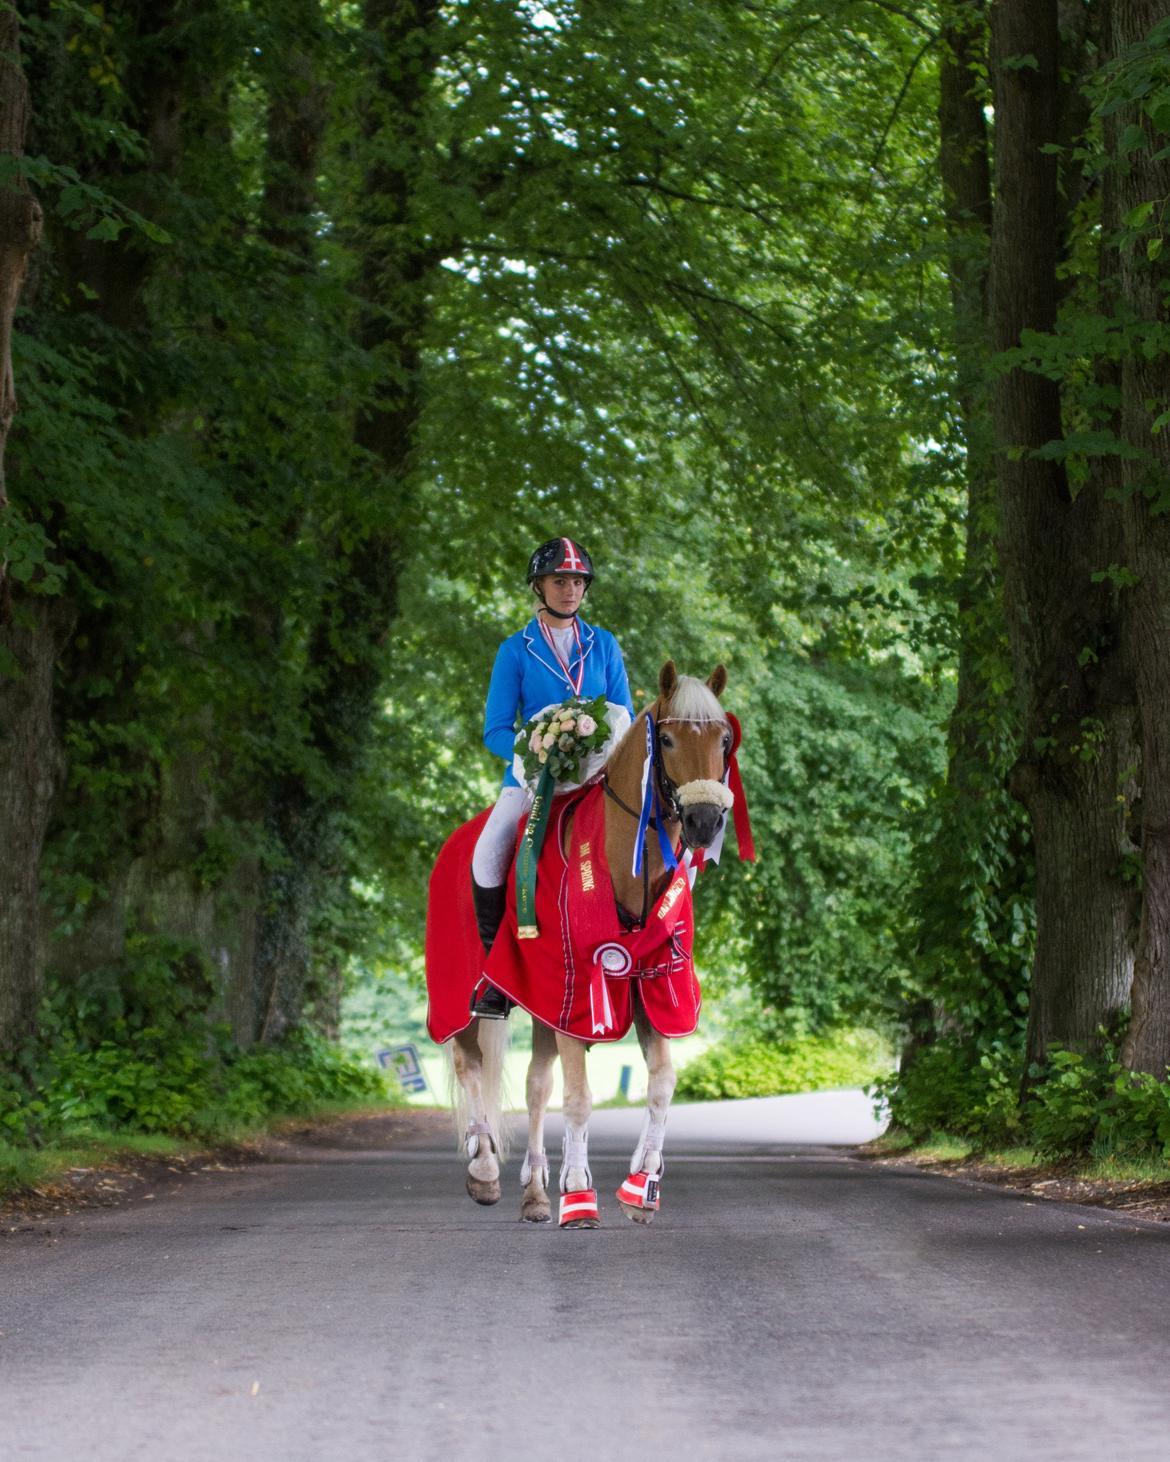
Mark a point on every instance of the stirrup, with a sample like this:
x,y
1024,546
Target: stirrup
x,y
488,1003
641,1190
578,1206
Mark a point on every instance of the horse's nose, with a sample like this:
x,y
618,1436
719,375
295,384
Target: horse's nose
x,y
701,821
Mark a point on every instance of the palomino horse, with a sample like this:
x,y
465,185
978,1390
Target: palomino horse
x,y
692,742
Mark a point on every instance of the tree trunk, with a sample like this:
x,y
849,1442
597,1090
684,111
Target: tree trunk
x,y
1064,629
20,231
30,766
1084,911
29,625
165,76
966,186
296,125
1145,291
348,648
961,940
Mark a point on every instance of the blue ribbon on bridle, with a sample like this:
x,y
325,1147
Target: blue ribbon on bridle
x,y
650,803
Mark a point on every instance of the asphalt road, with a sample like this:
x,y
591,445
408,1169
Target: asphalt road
x,y
350,1301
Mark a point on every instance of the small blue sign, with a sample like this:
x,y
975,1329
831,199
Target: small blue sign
x,y
404,1062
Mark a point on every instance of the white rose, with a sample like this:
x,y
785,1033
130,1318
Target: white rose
x,y
586,726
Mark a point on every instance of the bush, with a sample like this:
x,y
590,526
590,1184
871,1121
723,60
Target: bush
x,y
1073,1104
959,1087
185,1082
748,1068
130,1049
1080,1104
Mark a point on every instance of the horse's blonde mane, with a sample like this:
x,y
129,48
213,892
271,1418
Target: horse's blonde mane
x,y
693,700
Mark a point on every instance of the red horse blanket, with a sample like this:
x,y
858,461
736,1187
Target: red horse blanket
x,y
577,976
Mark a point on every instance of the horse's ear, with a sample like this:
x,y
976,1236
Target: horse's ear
x,y
667,681
717,680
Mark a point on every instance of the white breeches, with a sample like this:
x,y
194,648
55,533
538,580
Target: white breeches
x,y
497,841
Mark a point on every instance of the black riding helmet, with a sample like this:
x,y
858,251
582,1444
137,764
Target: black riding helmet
x,y
559,556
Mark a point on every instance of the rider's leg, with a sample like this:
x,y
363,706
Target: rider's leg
x,y
489,868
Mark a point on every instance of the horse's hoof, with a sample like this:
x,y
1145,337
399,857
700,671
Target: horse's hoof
x,y
535,1210
640,1196
484,1192
579,1210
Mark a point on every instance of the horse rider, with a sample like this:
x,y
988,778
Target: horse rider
x,y
554,657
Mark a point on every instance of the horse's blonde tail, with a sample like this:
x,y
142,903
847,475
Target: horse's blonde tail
x,y
494,1039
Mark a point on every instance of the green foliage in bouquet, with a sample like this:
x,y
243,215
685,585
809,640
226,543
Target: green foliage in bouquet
x,y
561,738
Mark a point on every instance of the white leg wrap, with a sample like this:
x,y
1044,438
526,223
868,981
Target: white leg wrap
x,y
534,1162
575,1156
648,1153
471,1138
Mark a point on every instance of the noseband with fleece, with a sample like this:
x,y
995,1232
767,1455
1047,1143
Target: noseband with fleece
x,y
706,792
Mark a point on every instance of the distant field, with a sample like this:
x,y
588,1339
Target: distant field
x,y
605,1064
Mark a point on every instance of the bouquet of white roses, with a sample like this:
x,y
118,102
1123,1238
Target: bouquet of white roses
x,y
560,738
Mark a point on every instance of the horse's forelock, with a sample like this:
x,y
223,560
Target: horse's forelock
x,y
693,700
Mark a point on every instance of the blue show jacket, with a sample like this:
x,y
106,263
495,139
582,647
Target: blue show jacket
x,y
526,678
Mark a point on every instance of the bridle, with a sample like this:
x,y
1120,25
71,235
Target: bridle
x,y
667,791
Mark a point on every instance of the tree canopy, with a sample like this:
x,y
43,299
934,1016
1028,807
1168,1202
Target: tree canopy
x,y
339,309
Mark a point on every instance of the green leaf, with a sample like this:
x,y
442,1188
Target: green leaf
x,y
106,229
1116,574
1131,139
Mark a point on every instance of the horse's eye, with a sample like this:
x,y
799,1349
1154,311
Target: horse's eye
x,y
667,741
727,741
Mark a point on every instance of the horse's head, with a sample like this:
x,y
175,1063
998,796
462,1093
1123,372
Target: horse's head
x,y
694,745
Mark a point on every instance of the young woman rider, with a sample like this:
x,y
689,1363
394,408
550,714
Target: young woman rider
x,y
556,655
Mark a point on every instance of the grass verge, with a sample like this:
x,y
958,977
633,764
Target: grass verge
x,y
35,1172
1101,1179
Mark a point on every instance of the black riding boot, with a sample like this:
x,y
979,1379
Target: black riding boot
x,y
486,1001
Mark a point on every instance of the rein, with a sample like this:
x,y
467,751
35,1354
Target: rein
x,y
625,806
631,921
